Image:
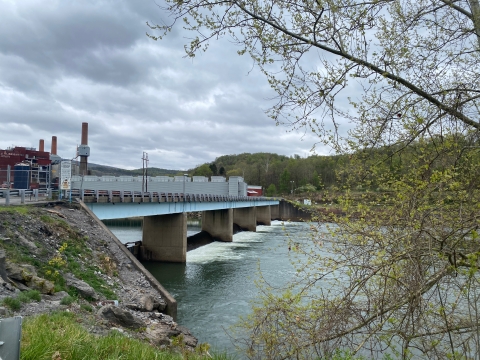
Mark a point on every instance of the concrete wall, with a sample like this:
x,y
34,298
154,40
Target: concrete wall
x,y
219,224
245,218
263,215
234,187
274,212
171,302
287,211
165,237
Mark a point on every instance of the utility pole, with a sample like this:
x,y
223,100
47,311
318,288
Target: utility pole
x,y
145,172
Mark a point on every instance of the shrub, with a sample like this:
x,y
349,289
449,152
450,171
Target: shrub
x,y
67,300
86,307
30,295
12,303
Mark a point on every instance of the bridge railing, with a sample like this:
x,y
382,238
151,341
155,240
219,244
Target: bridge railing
x,y
123,196
31,194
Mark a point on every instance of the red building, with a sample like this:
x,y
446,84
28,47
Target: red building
x,y
254,190
37,163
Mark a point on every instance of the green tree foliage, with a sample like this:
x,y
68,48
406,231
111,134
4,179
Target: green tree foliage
x,y
257,170
285,184
213,167
397,273
203,170
271,190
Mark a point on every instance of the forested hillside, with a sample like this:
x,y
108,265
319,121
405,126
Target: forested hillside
x,y
275,172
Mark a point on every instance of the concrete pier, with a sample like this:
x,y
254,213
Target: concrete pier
x,y
274,212
245,218
264,215
219,224
165,237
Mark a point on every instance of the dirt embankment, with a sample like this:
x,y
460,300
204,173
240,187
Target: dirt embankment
x,y
74,262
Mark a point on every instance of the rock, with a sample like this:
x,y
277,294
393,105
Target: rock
x,y
41,284
119,316
3,311
3,271
20,273
188,338
161,334
120,330
146,303
83,289
56,296
14,271
9,287
20,286
27,243
160,304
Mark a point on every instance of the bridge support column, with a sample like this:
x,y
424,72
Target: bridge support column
x,y
263,214
219,224
274,212
165,237
245,218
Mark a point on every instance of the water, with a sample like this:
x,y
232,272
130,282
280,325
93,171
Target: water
x,y
216,285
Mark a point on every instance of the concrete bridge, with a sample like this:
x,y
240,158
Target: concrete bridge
x,y
165,219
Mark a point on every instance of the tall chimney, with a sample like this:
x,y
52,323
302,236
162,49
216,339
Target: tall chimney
x,y
54,145
84,133
41,145
84,150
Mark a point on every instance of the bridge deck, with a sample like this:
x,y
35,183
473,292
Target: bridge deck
x,y
110,204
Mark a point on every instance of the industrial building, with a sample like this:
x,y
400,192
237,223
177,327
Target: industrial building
x,y
29,168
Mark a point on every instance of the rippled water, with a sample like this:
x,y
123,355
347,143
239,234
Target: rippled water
x,y
216,285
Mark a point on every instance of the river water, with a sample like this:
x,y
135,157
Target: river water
x,y
216,285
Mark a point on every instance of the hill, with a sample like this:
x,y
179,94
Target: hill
x,y
101,170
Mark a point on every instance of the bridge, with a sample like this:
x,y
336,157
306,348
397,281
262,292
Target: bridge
x,y
165,220
165,205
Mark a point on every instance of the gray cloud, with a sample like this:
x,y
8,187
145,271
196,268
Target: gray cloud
x,y
64,63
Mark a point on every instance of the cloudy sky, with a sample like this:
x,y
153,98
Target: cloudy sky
x,y
67,62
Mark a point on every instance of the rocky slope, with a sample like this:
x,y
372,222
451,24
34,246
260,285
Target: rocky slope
x,y
63,253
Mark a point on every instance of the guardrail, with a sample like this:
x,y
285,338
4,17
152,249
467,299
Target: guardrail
x,y
122,196
23,194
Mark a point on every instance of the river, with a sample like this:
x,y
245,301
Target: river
x,y
216,284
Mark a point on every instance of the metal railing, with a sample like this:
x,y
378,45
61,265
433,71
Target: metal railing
x,y
123,196
120,196
33,194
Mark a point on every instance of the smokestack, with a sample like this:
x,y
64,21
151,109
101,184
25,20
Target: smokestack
x,y
41,145
54,145
84,133
84,150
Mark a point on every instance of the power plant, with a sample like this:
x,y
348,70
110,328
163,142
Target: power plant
x,y
29,168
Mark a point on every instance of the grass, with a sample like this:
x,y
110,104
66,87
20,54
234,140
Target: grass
x,y
24,210
31,295
59,336
24,297
67,300
12,303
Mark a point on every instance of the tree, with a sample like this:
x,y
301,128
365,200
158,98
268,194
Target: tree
x,y
271,190
203,170
398,272
213,167
285,182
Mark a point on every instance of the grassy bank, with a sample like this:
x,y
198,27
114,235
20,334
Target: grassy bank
x,y
59,336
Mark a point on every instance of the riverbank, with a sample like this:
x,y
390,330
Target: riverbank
x,y
68,261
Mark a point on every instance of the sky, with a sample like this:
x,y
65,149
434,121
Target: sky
x,y
67,62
